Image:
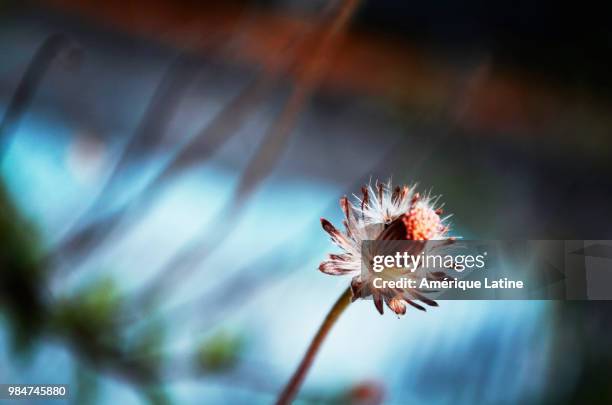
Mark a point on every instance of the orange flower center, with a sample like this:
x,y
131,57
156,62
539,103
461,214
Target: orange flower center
x,y
422,223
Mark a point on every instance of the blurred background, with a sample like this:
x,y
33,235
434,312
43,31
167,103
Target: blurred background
x,y
165,165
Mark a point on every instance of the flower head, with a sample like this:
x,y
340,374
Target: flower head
x,y
384,213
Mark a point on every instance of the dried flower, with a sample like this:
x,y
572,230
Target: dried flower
x,y
384,213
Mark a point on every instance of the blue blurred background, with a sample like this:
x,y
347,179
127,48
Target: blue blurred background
x,y
165,166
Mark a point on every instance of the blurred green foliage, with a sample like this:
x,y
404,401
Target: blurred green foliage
x,y
90,314
89,320
22,279
221,351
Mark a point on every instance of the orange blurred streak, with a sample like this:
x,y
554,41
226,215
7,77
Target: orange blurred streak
x,y
258,37
367,64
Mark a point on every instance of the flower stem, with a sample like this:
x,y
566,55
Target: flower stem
x,y
297,379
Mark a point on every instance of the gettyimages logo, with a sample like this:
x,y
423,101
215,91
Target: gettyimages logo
x,y
411,262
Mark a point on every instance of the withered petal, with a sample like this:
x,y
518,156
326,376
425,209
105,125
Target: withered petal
x,y
396,194
331,268
424,299
414,304
328,227
345,205
397,306
337,237
365,201
378,303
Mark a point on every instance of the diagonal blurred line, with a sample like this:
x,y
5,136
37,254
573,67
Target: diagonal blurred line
x,y
223,128
148,136
194,151
213,137
91,234
245,282
260,166
152,128
51,48
270,150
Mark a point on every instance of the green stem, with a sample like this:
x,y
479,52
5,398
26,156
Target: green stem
x,y
297,379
